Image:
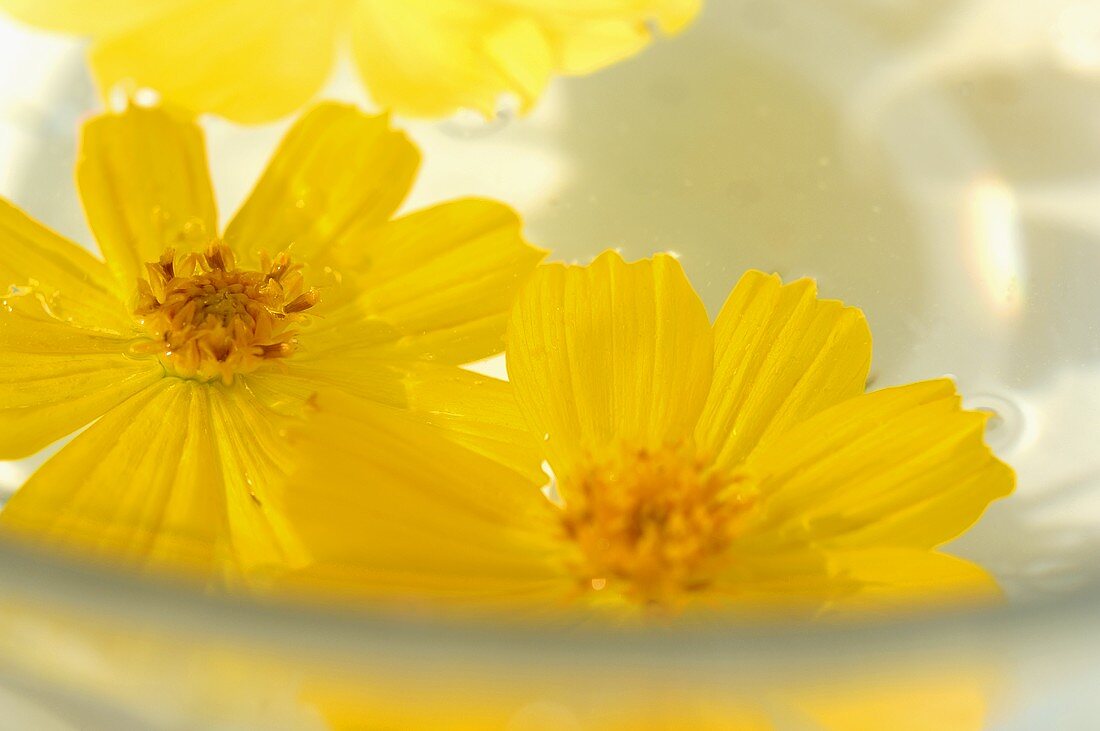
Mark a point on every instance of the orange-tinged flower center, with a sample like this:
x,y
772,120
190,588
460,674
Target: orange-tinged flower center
x,y
209,320
661,521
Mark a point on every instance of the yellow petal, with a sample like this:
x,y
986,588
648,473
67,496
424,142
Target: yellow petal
x,y
63,335
342,351
342,329
254,462
82,17
445,277
587,35
585,48
889,581
899,467
479,412
132,487
675,15
250,61
55,379
431,57
46,276
337,168
161,482
804,582
794,584
781,355
609,352
388,504
143,179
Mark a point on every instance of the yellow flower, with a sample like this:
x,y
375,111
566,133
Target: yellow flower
x,y
188,349
256,60
735,464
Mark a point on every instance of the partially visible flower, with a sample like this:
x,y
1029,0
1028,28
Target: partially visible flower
x,y
190,349
257,60
732,465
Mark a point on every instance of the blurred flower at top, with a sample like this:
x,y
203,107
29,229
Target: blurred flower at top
x,y
188,348
738,465
256,60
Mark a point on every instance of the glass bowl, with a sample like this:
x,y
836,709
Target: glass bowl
x,y
935,162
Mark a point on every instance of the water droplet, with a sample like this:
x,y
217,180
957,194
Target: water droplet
x,y
599,584
308,200
118,96
194,228
1007,422
468,124
550,489
146,97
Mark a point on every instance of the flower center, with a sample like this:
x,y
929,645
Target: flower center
x,y
209,320
660,521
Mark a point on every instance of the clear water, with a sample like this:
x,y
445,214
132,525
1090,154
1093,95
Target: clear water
x,y
936,162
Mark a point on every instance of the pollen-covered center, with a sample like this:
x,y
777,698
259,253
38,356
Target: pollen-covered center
x,y
209,320
652,523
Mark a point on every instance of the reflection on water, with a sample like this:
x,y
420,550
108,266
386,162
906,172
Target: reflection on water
x,y
935,162
111,674
993,232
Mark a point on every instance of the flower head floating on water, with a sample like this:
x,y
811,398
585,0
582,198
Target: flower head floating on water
x,y
191,348
257,60
739,463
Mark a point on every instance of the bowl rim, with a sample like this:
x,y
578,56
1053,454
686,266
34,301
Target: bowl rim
x,y
130,602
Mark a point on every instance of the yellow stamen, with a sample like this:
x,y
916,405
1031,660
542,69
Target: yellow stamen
x,y
209,320
658,521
